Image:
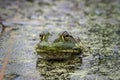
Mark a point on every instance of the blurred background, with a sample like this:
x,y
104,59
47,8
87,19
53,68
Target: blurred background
x,y
96,22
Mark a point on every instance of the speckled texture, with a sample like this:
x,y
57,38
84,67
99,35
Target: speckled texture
x,y
95,22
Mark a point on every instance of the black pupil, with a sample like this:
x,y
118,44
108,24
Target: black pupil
x,y
66,35
40,35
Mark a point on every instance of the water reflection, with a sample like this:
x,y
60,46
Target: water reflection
x,y
58,69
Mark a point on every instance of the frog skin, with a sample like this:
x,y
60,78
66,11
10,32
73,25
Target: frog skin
x,y
63,47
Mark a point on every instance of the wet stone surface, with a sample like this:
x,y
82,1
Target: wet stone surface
x,y
95,22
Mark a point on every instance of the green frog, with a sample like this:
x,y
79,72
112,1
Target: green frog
x,y
63,47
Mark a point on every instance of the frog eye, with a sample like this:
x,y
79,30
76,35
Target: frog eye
x,y
65,32
65,36
42,36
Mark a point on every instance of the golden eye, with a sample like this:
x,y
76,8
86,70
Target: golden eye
x,y
65,36
44,36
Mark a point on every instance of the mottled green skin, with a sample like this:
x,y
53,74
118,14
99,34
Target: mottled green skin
x,y
60,48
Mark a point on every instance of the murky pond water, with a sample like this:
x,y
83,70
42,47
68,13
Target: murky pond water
x,y
96,23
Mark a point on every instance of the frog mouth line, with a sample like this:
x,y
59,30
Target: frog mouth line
x,y
59,51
